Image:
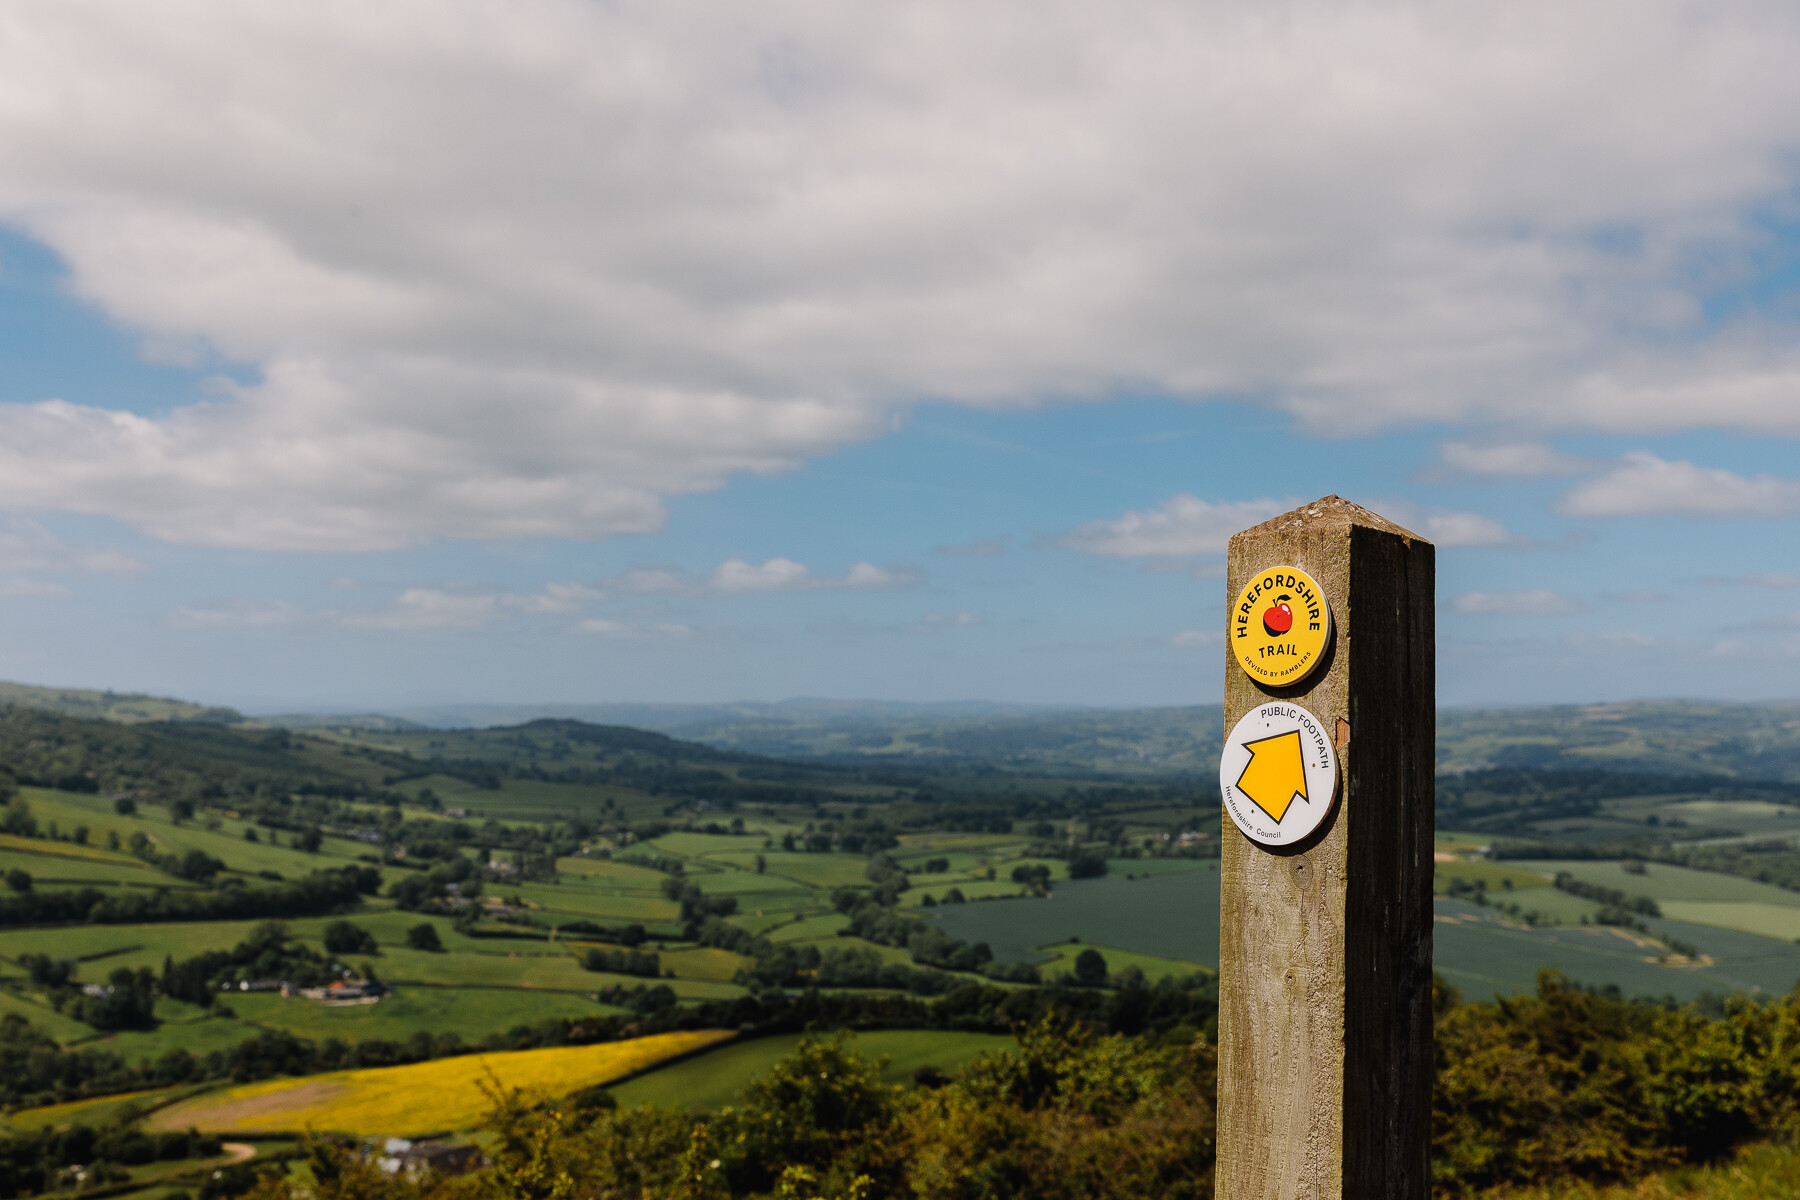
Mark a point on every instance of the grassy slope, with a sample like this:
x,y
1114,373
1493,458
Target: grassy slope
x,y
718,1077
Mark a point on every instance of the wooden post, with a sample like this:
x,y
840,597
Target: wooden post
x,y
1325,947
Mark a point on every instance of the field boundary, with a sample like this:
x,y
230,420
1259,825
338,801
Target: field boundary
x,y
684,1056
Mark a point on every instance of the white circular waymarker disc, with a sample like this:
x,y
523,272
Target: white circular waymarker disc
x,y
1278,774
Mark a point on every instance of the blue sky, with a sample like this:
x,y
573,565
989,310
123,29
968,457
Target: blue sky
x,y
826,354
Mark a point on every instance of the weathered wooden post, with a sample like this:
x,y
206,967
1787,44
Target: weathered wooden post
x,y
1325,917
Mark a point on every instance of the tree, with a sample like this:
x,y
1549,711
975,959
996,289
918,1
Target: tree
x,y
126,1005
18,881
1090,968
125,806
1087,864
424,936
310,841
341,937
18,819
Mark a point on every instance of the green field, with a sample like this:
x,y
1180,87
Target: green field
x,y
1664,882
812,870
125,945
1171,916
58,870
63,1029
825,925
99,1111
975,889
469,1011
1153,967
1159,915
718,1077
613,873
1498,877
583,901
1482,954
196,1037
1780,921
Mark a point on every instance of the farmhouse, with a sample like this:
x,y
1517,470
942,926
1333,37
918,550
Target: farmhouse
x,y
415,1158
344,992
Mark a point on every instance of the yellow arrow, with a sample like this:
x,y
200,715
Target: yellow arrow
x,y
1275,776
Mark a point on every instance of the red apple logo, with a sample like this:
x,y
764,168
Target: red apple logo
x,y
1279,618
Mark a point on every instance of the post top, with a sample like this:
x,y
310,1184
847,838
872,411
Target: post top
x,y
1329,511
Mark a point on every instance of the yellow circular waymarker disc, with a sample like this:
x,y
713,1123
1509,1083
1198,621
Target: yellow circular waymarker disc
x,y
1280,626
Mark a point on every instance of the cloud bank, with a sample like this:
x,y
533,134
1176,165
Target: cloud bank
x,y
524,270
1641,484
1186,525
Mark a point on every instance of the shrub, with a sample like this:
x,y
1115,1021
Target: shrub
x,y
341,937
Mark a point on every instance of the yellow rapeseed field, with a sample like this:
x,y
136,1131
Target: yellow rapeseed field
x,y
419,1098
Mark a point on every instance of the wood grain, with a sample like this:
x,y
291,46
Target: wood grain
x,y
1325,950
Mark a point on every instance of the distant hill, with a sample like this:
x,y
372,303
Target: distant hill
x,y
1743,741
1740,741
1677,737
362,722
128,707
952,735
679,718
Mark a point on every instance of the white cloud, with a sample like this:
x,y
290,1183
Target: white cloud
x,y
31,587
526,271
1609,639
1444,527
242,614
650,580
555,598
1641,484
1186,525
1766,579
1536,603
933,622
979,548
786,575
773,575
28,549
602,627
428,608
867,577
1197,637
1182,525
26,546
416,608
1513,460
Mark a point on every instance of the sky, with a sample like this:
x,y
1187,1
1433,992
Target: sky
x,y
359,357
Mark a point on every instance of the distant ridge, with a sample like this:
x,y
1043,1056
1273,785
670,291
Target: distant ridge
x,y
665,717
126,707
368,722
1670,737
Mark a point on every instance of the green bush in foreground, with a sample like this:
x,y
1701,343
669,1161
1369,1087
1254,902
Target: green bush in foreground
x,y
1553,1089
1069,1115
1571,1084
